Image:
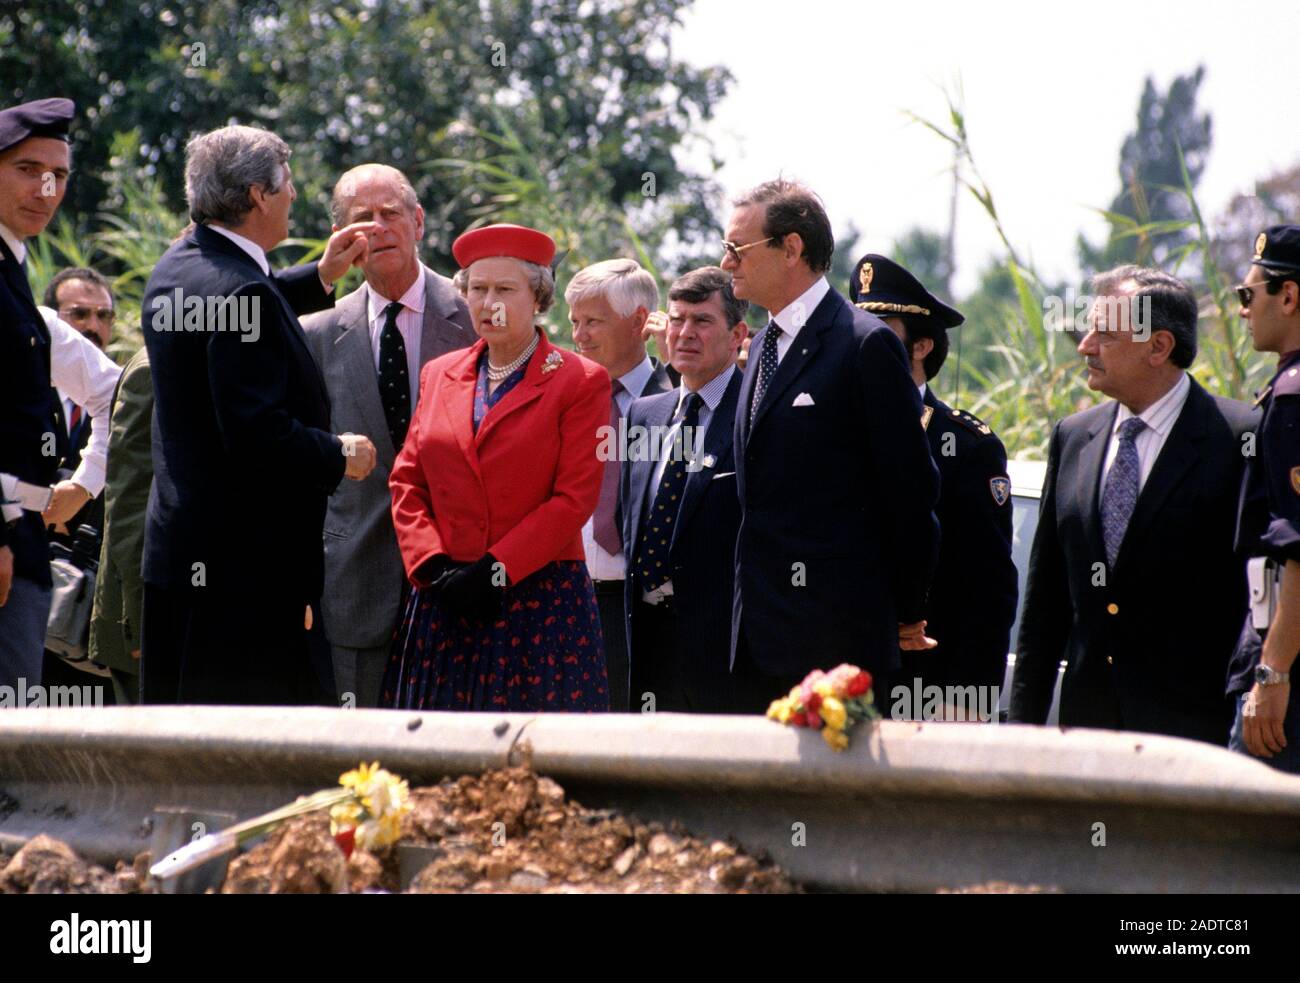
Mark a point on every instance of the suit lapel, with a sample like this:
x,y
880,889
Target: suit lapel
x,y
643,471
1089,465
530,388
439,334
457,402
717,445
799,356
1180,452
356,363
21,288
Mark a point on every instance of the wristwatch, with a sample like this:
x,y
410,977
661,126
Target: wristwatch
x,y
1266,676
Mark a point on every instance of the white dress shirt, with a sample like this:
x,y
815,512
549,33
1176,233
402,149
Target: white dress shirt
x,y
16,245
410,325
789,323
257,253
85,375
1159,417
602,565
247,245
711,392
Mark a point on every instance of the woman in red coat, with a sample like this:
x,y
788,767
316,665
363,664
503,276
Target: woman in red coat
x,y
497,475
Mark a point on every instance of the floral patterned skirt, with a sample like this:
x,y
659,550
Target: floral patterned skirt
x,y
545,651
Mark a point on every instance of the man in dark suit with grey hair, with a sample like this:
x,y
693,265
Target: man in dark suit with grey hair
x,y
1132,579
243,462
370,348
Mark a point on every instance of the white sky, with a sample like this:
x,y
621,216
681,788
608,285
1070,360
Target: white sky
x,y
1051,90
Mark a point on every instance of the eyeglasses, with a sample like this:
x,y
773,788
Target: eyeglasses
x,y
734,250
78,313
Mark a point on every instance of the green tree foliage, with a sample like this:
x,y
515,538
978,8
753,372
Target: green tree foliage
x,y
1149,214
589,87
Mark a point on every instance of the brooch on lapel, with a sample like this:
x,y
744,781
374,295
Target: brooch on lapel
x,y
710,460
553,362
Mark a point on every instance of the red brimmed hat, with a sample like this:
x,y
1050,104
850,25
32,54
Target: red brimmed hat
x,y
515,241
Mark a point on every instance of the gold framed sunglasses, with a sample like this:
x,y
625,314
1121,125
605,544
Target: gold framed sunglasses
x,y
735,251
77,314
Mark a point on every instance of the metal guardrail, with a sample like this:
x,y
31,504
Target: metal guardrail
x,y
909,807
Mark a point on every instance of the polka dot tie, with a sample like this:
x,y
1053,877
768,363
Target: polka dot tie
x,y
766,366
657,532
394,377
1120,495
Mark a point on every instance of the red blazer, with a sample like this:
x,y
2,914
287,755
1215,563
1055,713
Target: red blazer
x,y
523,486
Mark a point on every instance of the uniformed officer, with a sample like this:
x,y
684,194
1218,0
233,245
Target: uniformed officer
x,y
972,601
1268,528
37,350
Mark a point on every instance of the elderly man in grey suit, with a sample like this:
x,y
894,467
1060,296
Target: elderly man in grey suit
x,y
370,348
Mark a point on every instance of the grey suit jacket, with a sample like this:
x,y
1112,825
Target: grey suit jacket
x,y
364,581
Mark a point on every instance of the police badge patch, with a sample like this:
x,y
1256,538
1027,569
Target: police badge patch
x,y
1001,488
1295,480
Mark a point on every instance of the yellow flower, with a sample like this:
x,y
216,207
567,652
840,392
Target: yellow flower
x,y
824,687
837,739
833,713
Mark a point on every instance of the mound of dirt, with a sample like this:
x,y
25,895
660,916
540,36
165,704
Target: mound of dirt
x,y
503,832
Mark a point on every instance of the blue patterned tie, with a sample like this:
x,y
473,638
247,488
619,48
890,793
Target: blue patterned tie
x,y
766,366
657,536
1121,492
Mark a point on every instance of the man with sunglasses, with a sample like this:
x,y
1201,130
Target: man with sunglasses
x,y
84,300
838,537
1267,722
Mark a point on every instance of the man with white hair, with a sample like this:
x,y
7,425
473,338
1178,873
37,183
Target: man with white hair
x,y
609,304
370,348
243,459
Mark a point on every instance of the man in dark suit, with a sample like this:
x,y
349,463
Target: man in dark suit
x,y
1132,578
972,602
243,459
609,305
37,351
370,348
680,510
838,537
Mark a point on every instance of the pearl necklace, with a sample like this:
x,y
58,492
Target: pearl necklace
x,y
496,374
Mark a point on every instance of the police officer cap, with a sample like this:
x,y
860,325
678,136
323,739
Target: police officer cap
x,y
42,118
884,288
1277,249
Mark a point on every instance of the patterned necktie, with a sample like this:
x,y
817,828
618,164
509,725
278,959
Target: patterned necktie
x,y
394,377
657,534
605,524
766,366
1121,492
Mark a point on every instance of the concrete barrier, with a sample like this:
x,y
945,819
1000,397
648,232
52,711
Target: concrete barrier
x,y
909,806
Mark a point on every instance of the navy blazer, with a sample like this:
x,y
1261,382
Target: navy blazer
x,y
703,546
1147,644
243,460
838,537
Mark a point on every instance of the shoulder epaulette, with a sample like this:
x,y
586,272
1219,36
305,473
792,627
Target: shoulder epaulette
x,y
970,421
1287,382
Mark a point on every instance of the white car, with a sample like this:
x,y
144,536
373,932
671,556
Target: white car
x,y
1026,493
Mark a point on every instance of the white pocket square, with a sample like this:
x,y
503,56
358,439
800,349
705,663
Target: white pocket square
x,y
724,474
803,399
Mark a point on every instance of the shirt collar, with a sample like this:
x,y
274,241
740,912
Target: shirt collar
x,y
16,245
1160,415
712,391
413,299
635,380
247,245
809,300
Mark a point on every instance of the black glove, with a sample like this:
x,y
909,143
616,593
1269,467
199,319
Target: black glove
x,y
471,593
437,570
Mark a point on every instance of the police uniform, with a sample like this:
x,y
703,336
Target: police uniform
x,y
972,599
27,422
1269,517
